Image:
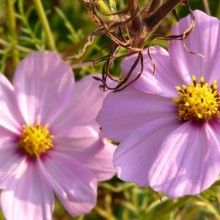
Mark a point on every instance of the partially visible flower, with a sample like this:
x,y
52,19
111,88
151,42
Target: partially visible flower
x,y
49,140
168,122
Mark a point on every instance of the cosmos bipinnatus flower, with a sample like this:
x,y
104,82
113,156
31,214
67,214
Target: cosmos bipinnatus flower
x,y
168,123
49,140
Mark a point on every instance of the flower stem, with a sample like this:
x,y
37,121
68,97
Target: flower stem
x,y
154,4
18,47
45,24
12,28
206,6
155,18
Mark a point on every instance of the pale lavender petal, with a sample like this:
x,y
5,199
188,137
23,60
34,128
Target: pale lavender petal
x,y
7,137
161,81
204,39
188,162
27,195
9,161
185,163
9,153
86,101
10,117
135,155
87,145
43,85
74,185
123,112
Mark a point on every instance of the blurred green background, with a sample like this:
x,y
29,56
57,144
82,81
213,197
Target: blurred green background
x,y
22,32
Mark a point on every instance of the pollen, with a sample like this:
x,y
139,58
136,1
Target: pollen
x,y
198,101
35,140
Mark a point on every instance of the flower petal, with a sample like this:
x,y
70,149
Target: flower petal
x,y
188,162
185,163
9,161
10,117
204,39
159,81
43,85
86,145
86,101
135,155
73,184
123,112
27,195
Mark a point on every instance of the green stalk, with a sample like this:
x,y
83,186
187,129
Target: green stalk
x,y
45,23
12,28
17,47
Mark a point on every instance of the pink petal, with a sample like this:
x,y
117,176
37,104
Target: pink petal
x,y
177,160
10,117
135,155
9,161
10,156
123,112
73,184
86,145
188,162
86,101
7,137
204,39
162,80
43,85
28,195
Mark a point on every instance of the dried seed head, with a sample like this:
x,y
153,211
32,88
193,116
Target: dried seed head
x,y
129,29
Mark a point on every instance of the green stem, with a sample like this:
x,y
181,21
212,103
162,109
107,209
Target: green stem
x,y
45,23
12,28
18,47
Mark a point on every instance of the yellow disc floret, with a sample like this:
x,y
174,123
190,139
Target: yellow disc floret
x,y
198,101
35,140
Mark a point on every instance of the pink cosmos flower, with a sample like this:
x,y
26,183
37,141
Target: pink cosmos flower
x,y
168,123
49,140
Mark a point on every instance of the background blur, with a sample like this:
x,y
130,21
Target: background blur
x,y
22,32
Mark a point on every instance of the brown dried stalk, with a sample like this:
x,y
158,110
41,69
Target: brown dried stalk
x,y
129,28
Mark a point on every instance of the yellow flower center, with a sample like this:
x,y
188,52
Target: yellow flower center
x,y
35,140
198,101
